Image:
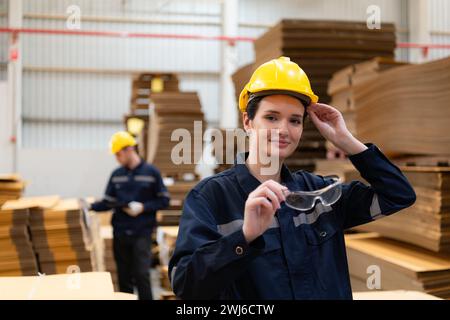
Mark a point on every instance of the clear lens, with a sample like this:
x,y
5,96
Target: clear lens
x,y
331,196
306,200
299,201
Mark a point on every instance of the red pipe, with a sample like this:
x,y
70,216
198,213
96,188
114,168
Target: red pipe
x,y
119,34
124,34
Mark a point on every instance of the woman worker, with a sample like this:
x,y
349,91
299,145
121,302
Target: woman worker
x,y
250,233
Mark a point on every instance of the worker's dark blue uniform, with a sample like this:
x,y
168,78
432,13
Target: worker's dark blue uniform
x,y
142,184
301,256
132,235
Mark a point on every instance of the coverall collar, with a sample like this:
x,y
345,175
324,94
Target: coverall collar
x,y
248,182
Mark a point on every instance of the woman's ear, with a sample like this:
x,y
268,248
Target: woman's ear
x,y
246,121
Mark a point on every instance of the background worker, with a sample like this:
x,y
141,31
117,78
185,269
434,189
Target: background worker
x,y
135,191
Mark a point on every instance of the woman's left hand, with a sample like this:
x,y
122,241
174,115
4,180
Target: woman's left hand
x,y
330,123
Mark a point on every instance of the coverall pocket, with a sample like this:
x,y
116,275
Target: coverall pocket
x,y
320,232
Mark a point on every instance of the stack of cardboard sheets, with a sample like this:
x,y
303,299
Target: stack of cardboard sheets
x,y
405,110
61,238
166,238
427,222
178,191
240,79
393,295
76,286
17,257
11,187
145,84
343,82
401,266
168,217
180,111
108,254
323,47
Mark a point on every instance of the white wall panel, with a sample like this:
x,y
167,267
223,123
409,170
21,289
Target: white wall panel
x,y
68,173
439,27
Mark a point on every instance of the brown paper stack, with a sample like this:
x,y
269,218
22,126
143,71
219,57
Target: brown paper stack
x,y
427,223
11,187
17,257
341,85
166,238
108,254
172,111
145,84
323,47
79,286
405,110
60,238
402,266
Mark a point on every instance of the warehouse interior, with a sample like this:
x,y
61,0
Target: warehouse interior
x,y
74,72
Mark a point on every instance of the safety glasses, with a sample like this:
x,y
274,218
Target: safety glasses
x,y
306,200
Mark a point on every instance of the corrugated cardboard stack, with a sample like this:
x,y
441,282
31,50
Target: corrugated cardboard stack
x,y
427,223
76,286
341,85
393,295
106,234
61,238
166,238
168,217
172,111
17,257
108,254
145,84
401,266
240,79
405,110
178,191
11,187
413,244
323,47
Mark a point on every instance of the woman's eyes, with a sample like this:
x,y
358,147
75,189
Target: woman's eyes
x,y
293,121
271,118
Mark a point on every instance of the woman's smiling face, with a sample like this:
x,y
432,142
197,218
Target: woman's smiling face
x,y
279,121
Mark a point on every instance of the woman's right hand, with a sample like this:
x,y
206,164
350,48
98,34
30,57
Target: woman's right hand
x,y
260,208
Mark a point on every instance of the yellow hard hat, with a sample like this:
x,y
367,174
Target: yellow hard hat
x,y
278,76
120,140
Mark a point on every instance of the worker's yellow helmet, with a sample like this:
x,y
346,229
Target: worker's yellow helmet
x,y
278,76
120,140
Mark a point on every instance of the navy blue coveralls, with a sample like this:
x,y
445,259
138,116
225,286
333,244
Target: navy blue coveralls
x,y
132,235
301,256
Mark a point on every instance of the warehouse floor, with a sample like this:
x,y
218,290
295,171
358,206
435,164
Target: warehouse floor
x,y
156,284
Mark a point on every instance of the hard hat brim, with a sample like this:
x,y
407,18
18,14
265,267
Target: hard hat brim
x,y
306,101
